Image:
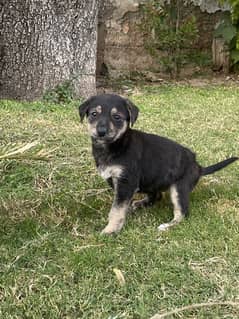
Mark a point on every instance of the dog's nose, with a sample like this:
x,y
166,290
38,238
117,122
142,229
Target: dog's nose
x,y
101,131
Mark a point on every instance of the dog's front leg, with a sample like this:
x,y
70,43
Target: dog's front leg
x,y
117,215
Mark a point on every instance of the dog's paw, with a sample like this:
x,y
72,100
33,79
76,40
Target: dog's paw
x,y
134,205
109,230
137,204
163,227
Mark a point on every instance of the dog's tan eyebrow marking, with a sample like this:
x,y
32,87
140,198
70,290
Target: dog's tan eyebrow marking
x,y
98,108
114,110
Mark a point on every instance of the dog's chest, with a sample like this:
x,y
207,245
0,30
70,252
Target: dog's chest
x,y
111,171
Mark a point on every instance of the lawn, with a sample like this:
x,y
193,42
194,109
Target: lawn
x,y
53,261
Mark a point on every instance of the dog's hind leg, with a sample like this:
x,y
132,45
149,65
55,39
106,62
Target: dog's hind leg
x,y
149,200
179,195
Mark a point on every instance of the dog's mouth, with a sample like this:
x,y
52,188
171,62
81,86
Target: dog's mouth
x,y
109,138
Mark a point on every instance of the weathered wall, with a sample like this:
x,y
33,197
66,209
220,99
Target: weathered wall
x,y
121,44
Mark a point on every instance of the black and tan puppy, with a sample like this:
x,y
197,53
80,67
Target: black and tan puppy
x,y
133,161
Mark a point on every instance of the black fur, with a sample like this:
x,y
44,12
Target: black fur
x,y
216,167
151,163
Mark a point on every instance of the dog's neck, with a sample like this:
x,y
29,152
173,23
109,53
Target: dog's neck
x,y
104,153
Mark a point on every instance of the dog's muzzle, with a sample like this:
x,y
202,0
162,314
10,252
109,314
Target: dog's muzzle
x,y
104,133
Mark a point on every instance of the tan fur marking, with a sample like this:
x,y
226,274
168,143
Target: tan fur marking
x,y
114,171
92,129
117,218
121,131
92,126
98,108
114,110
176,205
112,127
177,210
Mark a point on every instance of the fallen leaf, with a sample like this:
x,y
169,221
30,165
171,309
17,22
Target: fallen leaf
x,y
119,276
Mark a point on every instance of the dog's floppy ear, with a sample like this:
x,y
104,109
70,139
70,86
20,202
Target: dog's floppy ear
x,y
84,107
133,111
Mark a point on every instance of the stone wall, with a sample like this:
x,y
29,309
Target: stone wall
x,y
121,43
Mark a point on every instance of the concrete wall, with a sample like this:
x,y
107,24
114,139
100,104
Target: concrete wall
x,y
121,43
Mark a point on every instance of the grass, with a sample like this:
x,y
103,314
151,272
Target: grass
x,y
54,263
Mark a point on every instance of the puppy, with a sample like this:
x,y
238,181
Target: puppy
x,y
133,161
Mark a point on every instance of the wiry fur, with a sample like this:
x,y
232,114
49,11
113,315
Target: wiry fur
x,y
133,161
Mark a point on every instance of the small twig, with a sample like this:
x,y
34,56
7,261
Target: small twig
x,y
19,150
13,262
194,306
97,190
27,152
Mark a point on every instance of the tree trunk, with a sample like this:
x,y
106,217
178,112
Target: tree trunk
x,y
44,43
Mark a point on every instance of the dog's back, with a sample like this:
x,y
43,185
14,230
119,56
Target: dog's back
x,y
161,161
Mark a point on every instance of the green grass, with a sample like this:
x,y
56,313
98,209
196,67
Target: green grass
x,y
54,263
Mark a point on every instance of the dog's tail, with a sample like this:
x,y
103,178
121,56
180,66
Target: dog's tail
x,y
216,167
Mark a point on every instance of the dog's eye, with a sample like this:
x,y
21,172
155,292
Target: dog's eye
x,y
117,117
93,114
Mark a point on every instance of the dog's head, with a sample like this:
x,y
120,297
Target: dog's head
x,y
109,116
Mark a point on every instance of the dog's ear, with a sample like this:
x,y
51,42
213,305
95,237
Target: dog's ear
x,y
133,111
84,107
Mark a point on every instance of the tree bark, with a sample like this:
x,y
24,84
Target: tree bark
x,y
44,43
